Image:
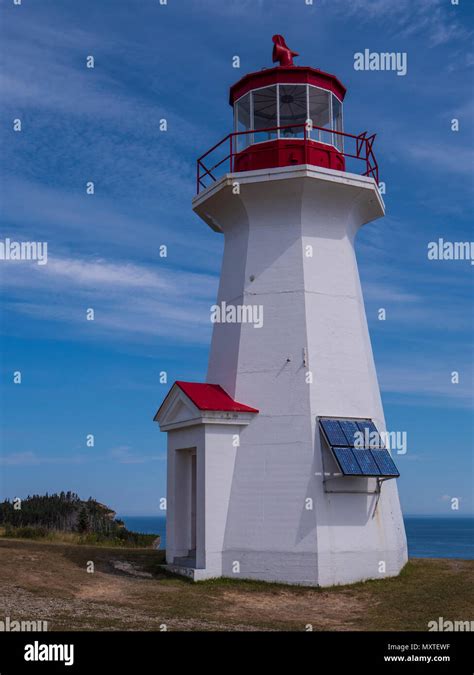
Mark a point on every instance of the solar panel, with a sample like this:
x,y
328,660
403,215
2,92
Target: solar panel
x,y
366,462
334,433
370,431
347,462
352,459
385,462
350,430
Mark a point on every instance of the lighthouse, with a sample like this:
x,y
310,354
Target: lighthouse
x,y
278,467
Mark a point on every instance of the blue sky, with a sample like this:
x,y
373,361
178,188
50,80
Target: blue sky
x,y
174,61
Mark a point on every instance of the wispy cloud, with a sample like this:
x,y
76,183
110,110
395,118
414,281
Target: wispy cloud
x,y
121,455
29,458
428,381
234,8
385,293
452,159
74,222
126,455
73,89
126,298
83,124
429,18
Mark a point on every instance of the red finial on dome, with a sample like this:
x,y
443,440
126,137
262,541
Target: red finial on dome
x,y
281,52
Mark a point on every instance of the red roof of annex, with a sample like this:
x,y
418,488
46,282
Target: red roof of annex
x,y
211,397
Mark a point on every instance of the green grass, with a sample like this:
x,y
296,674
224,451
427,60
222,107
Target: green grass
x,y
54,573
424,590
127,540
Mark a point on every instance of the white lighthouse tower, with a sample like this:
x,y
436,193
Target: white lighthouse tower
x,y
276,466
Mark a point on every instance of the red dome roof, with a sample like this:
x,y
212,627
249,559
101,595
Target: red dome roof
x,y
287,75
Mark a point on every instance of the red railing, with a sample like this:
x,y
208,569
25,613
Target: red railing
x,y
363,149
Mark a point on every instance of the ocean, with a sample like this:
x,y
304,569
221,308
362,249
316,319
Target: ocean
x,y
147,525
440,537
428,536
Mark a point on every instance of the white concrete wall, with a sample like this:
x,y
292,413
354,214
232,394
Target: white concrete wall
x,y
219,461
311,303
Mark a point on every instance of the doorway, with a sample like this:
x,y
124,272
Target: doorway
x,y
185,508
193,503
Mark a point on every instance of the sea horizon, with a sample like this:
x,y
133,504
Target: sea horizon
x,y
405,515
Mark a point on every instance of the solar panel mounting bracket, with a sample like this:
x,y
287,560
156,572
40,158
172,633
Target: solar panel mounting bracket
x,y
352,492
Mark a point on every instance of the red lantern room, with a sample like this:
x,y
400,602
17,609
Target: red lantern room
x,y
284,116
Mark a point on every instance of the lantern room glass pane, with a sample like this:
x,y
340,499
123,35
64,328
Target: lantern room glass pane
x,y
293,110
320,114
264,113
337,122
242,122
